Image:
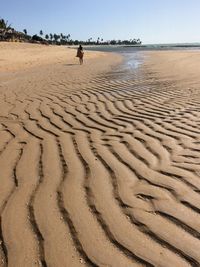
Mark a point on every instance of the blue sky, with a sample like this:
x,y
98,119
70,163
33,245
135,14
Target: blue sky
x,y
153,21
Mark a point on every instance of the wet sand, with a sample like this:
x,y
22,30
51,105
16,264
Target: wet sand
x,y
99,167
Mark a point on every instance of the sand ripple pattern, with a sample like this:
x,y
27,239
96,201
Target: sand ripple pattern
x,y
106,173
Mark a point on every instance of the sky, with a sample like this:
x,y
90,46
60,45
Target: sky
x,y
153,21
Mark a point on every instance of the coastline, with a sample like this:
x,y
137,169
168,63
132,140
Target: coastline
x,y
99,164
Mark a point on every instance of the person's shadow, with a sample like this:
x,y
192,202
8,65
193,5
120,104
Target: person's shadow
x,y
75,64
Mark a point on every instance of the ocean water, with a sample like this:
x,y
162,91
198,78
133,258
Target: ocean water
x,y
134,56
151,47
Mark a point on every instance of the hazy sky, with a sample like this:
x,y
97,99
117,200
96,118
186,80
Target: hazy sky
x,y
153,21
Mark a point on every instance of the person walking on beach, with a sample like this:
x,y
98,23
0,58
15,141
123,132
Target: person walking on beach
x,y
80,54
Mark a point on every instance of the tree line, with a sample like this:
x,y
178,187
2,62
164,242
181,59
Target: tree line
x,y
62,39
6,32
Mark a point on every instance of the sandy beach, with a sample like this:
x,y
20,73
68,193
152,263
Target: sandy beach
x,y
98,167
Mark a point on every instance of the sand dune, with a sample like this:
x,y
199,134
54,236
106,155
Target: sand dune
x,y
100,167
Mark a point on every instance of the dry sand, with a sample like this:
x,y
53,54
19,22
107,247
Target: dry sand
x,y
98,167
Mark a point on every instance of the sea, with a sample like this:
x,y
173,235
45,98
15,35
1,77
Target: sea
x,y
133,54
147,47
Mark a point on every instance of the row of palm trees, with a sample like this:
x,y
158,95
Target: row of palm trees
x,y
56,37
51,38
65,39
59,39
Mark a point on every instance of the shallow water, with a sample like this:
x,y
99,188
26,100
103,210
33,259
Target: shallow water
x,y
134,55
131,49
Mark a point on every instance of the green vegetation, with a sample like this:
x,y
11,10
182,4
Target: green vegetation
x,y
4,24
10,34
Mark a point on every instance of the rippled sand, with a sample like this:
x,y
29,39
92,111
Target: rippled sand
x,y
100,167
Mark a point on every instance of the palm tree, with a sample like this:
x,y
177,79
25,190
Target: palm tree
x,y
67,37
62,38
25,31
41,32
47,36
51,36
134,41
4,24
56,37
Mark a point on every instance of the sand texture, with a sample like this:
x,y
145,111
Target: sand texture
x,y
98,166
